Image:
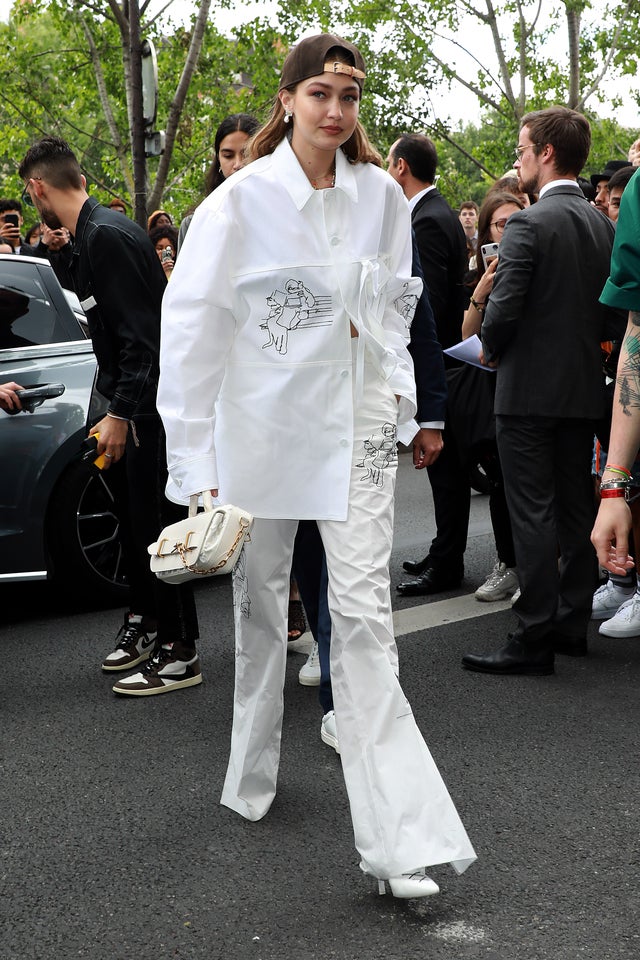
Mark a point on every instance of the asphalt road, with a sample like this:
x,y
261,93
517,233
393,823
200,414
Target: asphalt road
x,y
114,846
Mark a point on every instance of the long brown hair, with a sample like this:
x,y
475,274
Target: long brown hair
x,y
357,149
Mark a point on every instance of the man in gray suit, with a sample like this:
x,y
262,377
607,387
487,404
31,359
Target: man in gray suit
x,y
543,327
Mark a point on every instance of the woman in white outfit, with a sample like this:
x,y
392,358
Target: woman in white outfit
x,y
285,383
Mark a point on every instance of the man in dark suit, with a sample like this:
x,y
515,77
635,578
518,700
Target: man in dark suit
x,y
543,327
442,248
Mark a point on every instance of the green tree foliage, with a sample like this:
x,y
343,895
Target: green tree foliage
x,y
61,72
522,55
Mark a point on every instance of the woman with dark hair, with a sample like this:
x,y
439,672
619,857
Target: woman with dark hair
x,y
498,206
165,242
228,148
229,145
285,328
32,236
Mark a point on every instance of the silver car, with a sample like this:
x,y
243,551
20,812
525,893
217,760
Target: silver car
x,y
56,512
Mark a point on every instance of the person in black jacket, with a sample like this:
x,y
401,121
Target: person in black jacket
x,y
118,278
442,247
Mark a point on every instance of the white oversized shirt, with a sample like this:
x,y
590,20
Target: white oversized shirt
x,y
256,366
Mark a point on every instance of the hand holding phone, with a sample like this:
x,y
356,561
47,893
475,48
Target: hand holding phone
x,y
10,229
489,253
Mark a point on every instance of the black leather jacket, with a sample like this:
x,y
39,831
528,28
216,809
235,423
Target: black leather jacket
x,y
119,280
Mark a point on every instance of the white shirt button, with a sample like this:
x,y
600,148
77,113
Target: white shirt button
x,y
335,241
344,373
344,443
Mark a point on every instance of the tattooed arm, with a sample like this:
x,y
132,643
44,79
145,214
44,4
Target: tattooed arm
x,y
610,535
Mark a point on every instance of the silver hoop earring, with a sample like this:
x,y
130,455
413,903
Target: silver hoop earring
x,y
287,116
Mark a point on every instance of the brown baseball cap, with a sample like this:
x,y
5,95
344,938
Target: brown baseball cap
x,y
309,59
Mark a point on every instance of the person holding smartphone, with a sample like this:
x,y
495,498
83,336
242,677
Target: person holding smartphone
x,y
495,212
10,223
165,242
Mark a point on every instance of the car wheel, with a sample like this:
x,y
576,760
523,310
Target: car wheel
x,y
83,536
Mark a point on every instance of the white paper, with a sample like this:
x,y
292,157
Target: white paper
x,y
468,351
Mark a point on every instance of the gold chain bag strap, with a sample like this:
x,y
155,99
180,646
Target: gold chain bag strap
x,y
206,544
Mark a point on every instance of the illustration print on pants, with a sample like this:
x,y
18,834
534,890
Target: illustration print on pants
x,y
293,308
380,452
241,585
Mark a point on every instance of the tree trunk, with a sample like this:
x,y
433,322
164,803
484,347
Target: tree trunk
x,y
178,101
137,119
573,26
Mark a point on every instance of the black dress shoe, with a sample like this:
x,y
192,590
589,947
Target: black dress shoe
x,y
431,581
513,659
569,646
416,566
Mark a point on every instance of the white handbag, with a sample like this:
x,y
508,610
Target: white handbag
x,y
204,545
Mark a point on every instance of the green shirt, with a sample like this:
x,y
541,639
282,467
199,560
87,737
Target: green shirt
x,y
622,289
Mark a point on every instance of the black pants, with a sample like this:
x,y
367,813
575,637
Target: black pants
x,y
451,490
137,482
546,463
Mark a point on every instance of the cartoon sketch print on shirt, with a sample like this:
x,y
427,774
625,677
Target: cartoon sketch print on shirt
x,y
406,305
380,453
293,308
241,585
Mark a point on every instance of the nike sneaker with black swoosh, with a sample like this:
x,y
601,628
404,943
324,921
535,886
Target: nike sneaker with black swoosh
x,y
135,643
163,672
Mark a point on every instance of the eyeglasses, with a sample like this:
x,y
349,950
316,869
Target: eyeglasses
x,y
499,224
520,150
26,196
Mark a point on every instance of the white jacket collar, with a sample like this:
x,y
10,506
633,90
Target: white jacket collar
x,y
297,183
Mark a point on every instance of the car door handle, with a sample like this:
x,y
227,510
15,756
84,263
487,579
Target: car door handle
x,y
32,397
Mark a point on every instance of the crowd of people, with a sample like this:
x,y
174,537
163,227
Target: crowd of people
x,y
310,302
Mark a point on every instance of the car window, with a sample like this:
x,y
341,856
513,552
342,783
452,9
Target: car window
x,y
27,315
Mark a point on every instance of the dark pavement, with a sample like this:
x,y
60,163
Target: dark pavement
x,y
114,845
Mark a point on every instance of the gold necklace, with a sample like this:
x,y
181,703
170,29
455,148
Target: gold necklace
x,y
328,176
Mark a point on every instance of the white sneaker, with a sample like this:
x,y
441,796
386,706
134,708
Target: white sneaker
x,y
500,584
410,885
328,731
608,599
626,622
302,644
309,675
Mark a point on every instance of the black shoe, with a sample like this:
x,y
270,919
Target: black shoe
x,y
431,581
512,659
417,566
569,646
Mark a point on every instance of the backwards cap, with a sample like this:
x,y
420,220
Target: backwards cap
x,y
309,59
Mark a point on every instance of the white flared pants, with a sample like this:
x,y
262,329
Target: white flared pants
x,y
403,817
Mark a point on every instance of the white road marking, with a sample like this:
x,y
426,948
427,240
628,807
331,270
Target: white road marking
x,y
440,612
458,932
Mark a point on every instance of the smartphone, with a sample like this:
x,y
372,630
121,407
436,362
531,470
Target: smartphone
x,y
11,218
489,253
167,254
